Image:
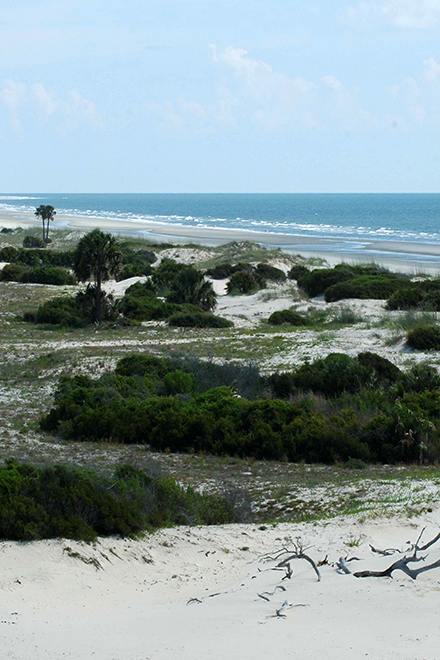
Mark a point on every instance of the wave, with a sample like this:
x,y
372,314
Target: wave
x,y
237,223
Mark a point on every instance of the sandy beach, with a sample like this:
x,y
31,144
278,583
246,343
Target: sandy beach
x,y
204,592
399,255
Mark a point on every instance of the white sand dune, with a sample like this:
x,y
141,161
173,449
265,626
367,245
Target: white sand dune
x,y
134,604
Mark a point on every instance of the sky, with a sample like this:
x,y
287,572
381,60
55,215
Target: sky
x,y
220,96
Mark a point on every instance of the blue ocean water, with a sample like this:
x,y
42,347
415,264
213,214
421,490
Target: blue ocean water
x,y
403,217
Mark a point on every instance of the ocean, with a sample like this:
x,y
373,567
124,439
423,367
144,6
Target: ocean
x,y
401,217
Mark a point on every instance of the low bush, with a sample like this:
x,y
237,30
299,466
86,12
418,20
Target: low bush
x,y
198,320
245,282
424,338
8,254
142,365
72,311
12,272
298,271
363,287
315,282
133,270
270,273
221,272
287,316
33,242
406,298
386,371
37,503
47,275
191,287
336,409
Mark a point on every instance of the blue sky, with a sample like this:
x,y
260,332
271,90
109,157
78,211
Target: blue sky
x,y
220,96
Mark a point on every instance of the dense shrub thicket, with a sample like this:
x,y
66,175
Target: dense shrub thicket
x,y
198,320
36,257
424,338
297,271
261,272
344,281
33,242
17,272
422,295
332,409
37,503
287,316
135,263
72,311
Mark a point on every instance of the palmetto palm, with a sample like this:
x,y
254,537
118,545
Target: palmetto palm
x,y
191,286
47,213
97,257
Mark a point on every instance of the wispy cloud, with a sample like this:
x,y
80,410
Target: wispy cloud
x,y
415,14
13,95
72,111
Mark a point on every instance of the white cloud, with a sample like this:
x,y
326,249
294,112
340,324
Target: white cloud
x,y
44,98
73,111
78,110
268,98
260,78
333,83
13,95
416,14
432,69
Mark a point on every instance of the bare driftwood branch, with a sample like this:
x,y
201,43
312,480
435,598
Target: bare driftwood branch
x,y
298,552
403,563
342,566
385,553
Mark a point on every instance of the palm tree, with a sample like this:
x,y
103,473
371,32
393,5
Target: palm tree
x,y
191,286
47,213
97,257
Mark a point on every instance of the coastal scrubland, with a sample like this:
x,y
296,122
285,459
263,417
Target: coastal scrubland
x,y
296,387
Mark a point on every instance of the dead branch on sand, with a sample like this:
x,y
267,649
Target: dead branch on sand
x,y
403,563
298,552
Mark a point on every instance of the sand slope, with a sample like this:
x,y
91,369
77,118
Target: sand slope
x,y
134,604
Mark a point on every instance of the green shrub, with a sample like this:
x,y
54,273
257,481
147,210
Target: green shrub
x,y
48,275
267,272
71,311
420,378
244,282
331,376
133,270
33,242
287,316
179,382
198,320
406,298
59,311
386,371
8,254
364,287
142,365
166,274
191,287
12,272
315,282
298,271
221,272
424,338
49,502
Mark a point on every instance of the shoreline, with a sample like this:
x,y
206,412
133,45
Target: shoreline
x,y
400,255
